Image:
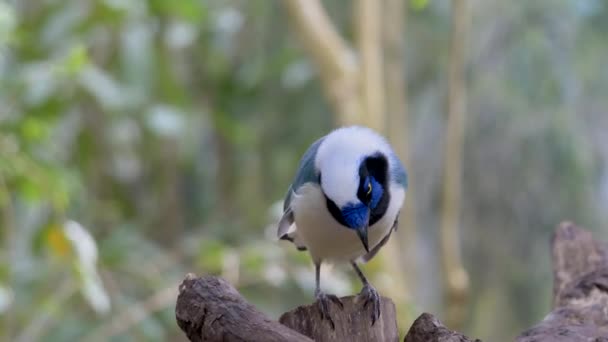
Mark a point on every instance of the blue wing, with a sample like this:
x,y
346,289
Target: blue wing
x,y
306,172
398,171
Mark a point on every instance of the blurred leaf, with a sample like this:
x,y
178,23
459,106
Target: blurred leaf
x,y
211,256
236,131
33,129
106,89
30,190
93,290
190,10
75,61
40,82
6,298
419,5
86,265
8,22
253,259
166,121
57,242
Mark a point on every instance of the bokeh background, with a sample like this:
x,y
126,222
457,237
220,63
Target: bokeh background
x,y
144,139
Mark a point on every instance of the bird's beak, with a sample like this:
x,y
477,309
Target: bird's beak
x,y
362,233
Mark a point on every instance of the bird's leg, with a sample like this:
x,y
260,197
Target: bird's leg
x,y
323,299
369,294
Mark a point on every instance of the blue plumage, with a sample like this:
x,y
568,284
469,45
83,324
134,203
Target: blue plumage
x,y
306,171
355,215
398,171
377,191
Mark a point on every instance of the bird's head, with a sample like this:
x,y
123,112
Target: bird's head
x,y
354,177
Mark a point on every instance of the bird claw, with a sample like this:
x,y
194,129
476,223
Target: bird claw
x,y
371,296
323,305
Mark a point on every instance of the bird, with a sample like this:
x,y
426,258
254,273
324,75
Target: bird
x,y
343,206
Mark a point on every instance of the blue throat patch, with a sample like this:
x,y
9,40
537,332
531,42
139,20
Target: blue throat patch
x,y
355,215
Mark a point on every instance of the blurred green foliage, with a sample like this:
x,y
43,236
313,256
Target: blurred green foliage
x,y
169,129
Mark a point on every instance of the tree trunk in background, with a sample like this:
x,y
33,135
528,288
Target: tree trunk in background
x,y
397,127
456,278
336,61
355,89
225,173
368,30
96,165
171,219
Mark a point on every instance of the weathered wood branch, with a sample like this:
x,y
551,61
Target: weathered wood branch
x,y
353,322
428,328
580,290
210,309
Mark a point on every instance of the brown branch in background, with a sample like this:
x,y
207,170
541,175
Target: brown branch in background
x,y
457,281
8,251
46,315
580,296
368,28
395,14
133,315
335,59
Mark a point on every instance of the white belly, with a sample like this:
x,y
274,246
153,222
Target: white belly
x,y
325,238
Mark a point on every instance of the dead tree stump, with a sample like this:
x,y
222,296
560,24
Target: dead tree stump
x,y
210,309
427,328
353,322
580,290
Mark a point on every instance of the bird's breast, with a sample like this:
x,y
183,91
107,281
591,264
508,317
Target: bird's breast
x,y
328,240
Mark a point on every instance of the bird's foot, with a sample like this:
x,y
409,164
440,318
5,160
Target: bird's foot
x,y
323,300
371,297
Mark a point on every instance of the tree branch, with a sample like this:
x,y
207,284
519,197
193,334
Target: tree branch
x,y
397,128
369,44
336,61
210,309
428,328
580,296
457,280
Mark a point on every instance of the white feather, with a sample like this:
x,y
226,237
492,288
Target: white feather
x,y
325,238
339,157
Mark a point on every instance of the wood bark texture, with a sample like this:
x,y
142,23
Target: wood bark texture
x,y
580,290
210,309
353,322
428,328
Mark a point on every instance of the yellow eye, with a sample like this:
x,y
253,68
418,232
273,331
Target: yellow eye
x,y
369,189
